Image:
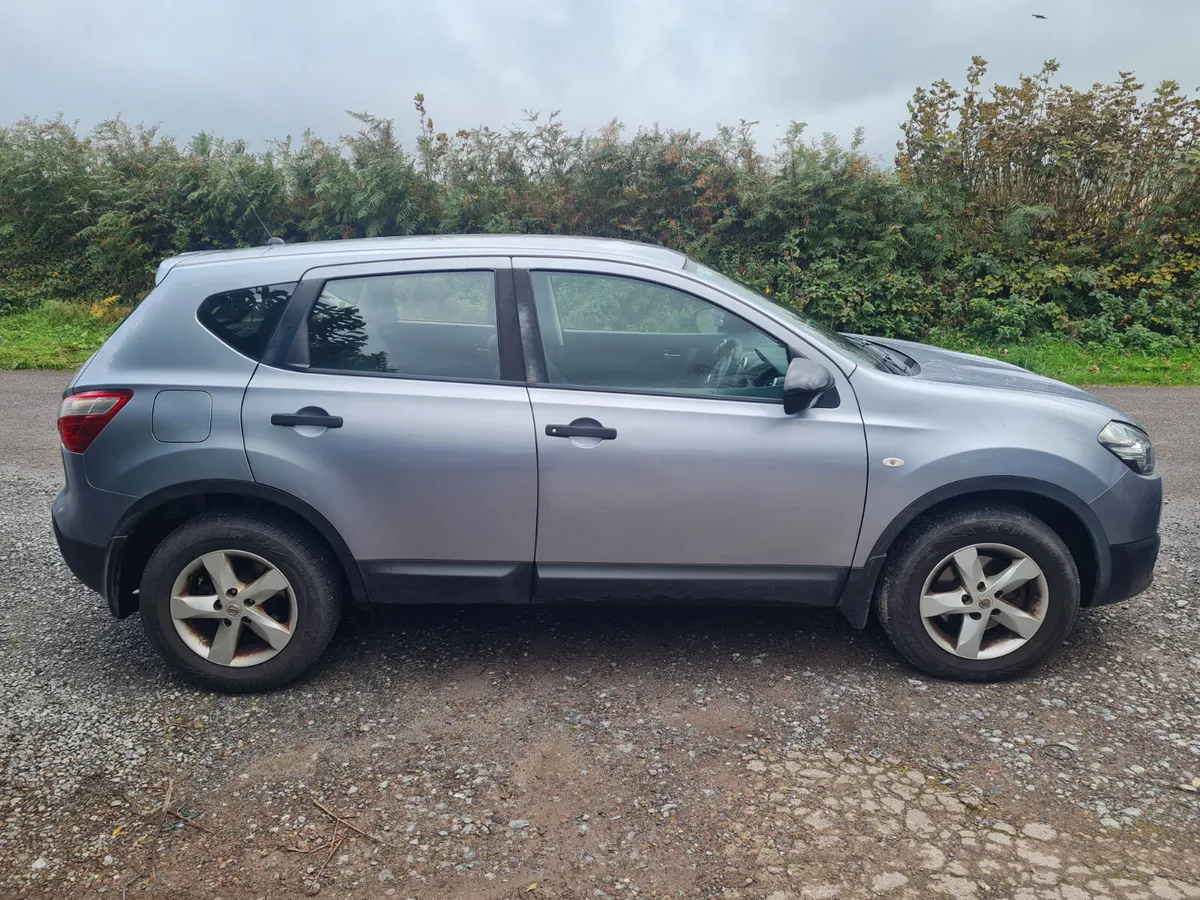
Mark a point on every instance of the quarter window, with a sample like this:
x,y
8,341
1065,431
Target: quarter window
x,y
246,318
423,325
607,331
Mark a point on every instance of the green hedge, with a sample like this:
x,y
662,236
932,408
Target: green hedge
x,y
1023,211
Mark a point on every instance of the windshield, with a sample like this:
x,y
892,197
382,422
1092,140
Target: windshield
x,y
817,331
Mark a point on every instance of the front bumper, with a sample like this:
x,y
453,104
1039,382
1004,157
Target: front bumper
x,y
1132,569
1129,513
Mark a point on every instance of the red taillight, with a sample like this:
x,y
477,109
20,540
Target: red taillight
x,y
83,416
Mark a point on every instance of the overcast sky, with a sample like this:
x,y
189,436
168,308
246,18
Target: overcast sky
x,y
258,70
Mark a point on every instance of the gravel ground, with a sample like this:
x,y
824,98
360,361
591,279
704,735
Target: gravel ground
x,y
495,753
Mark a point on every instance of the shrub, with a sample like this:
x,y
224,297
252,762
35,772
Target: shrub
x,y
1029,209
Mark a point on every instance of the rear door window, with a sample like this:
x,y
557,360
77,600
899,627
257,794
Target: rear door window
x,y
420,325
246,318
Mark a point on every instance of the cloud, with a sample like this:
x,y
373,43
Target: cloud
x,y
260,71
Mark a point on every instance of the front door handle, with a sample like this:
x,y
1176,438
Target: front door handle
x,y
319,418
573,430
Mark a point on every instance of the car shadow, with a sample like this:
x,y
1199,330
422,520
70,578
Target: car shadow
x,y
771,641
564,637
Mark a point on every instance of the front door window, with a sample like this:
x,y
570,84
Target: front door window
x,y
614,332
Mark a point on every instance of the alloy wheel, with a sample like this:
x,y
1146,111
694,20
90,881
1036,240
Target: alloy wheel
x,y
233,608
984,601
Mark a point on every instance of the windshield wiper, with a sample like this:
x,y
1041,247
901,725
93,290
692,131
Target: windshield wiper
x,y
883,354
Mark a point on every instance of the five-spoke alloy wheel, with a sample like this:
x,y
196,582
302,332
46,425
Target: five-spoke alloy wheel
x,y
233,608
978,594
238,603
984,601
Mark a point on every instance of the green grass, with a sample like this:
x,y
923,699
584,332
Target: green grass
x,y
59,335
56,335
1076,364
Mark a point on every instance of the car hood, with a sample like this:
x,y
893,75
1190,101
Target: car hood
x,y
952,367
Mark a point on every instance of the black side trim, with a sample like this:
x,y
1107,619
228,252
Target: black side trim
x,y
86,561
531,331
358,373
391,581
508,328
301,301
855,602
603,389
198,491
1132,570
120,605
587,582
859,593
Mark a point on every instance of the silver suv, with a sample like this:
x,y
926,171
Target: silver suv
x,y
277,431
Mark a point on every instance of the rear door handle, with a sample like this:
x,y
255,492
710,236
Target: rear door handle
x,y
321,419
592,431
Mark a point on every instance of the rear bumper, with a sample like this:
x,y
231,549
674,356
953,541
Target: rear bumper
x,y
87,562
86,524
97,567
1132,569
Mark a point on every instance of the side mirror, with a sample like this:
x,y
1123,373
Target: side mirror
x,y
804,384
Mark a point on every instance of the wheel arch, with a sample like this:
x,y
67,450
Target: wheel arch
x,y
1070,517
152,517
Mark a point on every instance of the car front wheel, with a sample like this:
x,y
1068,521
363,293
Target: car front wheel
x,y
236,603
979,594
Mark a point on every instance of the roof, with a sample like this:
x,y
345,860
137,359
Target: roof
x,y
438,245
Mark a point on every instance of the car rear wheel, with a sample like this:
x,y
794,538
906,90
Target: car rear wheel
x,y
237,603
979,594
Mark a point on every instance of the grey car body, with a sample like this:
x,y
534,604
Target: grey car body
x,y
456,489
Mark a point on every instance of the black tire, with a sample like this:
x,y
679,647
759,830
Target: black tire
x,y
306,563
927,542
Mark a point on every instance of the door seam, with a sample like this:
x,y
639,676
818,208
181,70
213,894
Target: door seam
x,y
242,422
537,494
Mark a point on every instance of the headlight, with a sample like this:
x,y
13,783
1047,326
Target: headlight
x,y
1131,445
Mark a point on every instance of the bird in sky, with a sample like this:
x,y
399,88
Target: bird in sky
x,y
1038,16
